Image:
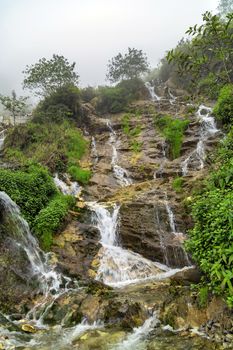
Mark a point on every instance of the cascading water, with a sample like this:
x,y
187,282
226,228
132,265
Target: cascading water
x,y
94,152
2,138
207,129
137,339
120,173
153,95
119,266
72,188
50,283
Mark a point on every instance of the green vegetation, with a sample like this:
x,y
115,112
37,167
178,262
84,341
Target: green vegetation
x,y
128,66
173,131
116,99
63,104
30,187
201,64
47,76
50,218
33,190
177,184
79,174
223,109
60,147
211,239
132,133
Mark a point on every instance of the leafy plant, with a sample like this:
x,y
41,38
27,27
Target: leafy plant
x,y
223,109
177,184
50,218
173,131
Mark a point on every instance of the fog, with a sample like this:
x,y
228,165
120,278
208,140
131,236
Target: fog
x,y
89,32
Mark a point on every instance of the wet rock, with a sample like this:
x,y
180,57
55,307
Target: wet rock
x,y
192,275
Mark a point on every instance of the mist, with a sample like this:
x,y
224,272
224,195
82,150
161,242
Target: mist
x,y
89,32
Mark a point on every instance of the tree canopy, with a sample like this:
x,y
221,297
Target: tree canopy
x,y
46,76
128,66
225,7
209,53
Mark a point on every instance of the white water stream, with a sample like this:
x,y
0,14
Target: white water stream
x,y
137,339
51,284
207,129
2,138
69,188
120,173
154,97
118,266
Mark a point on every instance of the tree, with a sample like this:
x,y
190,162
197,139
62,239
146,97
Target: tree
x,y
210,50
62,104
225,7
47,76
128,66
13,104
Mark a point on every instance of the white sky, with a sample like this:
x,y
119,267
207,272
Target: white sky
x,y
89,32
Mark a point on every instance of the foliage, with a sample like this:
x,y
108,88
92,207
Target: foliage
x,y
173,131
225,7
62,104
223,109
50,218
211,239
46,76
128,66
57,146
132,133
88,93
13,104
116,99
209,51
209,86
31,188
177,184
79,174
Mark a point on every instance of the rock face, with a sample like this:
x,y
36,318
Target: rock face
x,y
145,228
76,246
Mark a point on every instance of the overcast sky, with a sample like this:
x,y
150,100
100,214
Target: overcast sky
x,y
89,32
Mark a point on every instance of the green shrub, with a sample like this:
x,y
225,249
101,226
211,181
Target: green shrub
x,y
79,174
125,124
173,131
56,146
177,184
116,99
31,189
211,240
209,86
50,218
136,146
223,109
88,93
58,106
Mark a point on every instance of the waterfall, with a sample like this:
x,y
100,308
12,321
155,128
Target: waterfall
x,y
120,173
51,283
2,138
152,93
137,339
207,129
118,266
94,152
72,188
